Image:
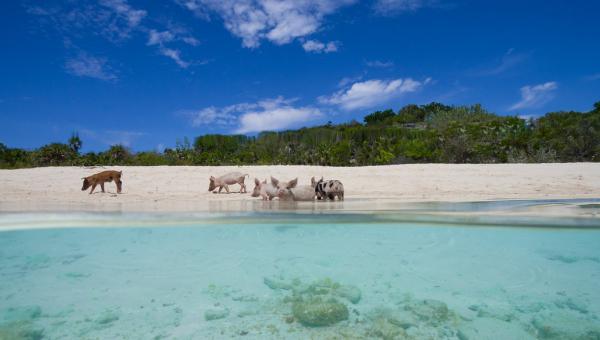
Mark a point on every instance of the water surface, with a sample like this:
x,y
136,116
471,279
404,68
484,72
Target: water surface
x,y
263,276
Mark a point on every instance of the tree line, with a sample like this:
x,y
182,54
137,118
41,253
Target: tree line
x,y
432,133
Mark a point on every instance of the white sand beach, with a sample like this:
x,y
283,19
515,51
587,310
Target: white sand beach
x,y
185,188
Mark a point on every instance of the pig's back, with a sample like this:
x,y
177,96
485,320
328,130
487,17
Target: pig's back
x,y
303,193
231,177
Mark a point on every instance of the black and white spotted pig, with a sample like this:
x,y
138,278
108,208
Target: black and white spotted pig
x,y
328,189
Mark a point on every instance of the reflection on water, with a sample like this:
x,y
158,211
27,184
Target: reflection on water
x,y
363,204
571,213
296,276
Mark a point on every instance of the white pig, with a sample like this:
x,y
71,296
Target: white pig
x,y
228,179
290,191
265,190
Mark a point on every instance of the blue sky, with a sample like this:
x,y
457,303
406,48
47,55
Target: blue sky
x,y
147,73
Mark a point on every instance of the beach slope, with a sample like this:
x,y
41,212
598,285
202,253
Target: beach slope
x,y
185,188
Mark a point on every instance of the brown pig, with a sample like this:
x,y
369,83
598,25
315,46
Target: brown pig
x,y
100,178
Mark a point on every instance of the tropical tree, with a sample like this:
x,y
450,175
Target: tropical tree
x,y
117,155
53,155
75,142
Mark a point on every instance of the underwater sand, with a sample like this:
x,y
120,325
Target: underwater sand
x,y
244,276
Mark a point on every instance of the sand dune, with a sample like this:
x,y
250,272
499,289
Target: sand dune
x,y
185,188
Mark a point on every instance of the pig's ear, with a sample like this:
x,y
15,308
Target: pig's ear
x,y
212,178
274,180
256,181
321,180
293,183
312,181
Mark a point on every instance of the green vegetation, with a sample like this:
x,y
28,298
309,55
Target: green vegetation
x,y
415,134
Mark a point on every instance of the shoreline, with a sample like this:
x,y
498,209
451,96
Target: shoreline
x,y
185,188
562,214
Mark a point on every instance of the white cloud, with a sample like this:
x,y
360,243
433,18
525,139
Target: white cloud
x,y
278,21
159,38
316,46
348,80
380,64
175,55
390,7
275,114
114,20
536,95
191,41
85,65
509,60
269,114
213,115
370,93
133,17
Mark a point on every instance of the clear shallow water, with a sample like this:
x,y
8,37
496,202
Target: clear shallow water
x,y
297,276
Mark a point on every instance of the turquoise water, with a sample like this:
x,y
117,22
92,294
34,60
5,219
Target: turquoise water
x,y
296,276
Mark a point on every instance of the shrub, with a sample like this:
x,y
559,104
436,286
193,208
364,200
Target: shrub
x,y
53,155
116,155
379,117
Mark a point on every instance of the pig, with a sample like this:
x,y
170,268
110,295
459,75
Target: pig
x,y
265,190
101,178
228,179
329,189
290,191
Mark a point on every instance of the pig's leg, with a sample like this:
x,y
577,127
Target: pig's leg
x,y
242,187
102,186
220,188
93,187
226,188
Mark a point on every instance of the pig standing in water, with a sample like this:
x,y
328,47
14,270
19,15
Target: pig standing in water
x,y
228,179
266,190
289,191
328,189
